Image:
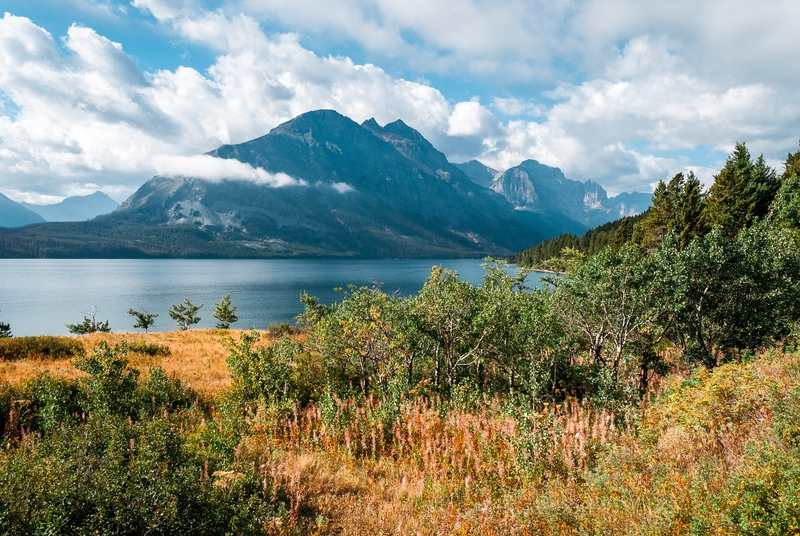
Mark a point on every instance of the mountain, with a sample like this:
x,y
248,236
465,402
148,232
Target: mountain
x,y
12,214
478,172
541,189
352,190
359,190
76,208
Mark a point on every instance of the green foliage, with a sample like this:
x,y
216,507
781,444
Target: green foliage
x,y
143,319
5,330
145,348
224,312
110,476
89,324
111,385
742,192
738,293
546,255
185,314
38,347
267,374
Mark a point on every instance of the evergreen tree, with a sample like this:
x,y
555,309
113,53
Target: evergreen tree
x,y
623,234
143,319
792,165
689,219
185,314
224,312
742,191
662,212
89,324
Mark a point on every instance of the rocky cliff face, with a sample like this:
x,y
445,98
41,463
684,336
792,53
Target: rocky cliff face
x,y
537,188
362,190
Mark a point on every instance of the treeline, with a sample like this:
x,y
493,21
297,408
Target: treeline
x,y
546,255
478,390
742,193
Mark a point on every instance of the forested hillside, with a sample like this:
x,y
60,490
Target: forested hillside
x,y
653,388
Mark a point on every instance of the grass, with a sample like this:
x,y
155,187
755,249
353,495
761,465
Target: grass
x,y
714,452
196,356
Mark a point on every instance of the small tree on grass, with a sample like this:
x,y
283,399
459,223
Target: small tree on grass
x,y
143,319
89,324
224,312
5,330
185,314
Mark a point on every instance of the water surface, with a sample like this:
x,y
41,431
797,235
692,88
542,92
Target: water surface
x,y
40,296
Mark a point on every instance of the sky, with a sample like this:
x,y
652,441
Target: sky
x,y
105,94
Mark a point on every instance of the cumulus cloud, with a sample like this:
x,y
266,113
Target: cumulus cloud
x,y
631,88
342,187
93,116
471,119
217,169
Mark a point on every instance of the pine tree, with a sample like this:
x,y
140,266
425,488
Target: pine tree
x,y
143,319
792,165
224,312
185,314
742,192
689,220
662,212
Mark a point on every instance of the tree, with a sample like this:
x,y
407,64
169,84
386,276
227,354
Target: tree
x,y
89,324
742,192
185,314
5,330
224,312
792,165
689,219
143,319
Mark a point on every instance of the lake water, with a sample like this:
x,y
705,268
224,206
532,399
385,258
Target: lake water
x,y
41,296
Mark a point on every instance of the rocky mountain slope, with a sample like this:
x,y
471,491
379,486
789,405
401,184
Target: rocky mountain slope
x,y
350,190
537,188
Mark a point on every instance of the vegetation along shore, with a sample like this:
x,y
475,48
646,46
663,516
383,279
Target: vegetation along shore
x,y
653,388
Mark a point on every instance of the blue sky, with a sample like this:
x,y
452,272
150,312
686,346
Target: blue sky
x,y
104,94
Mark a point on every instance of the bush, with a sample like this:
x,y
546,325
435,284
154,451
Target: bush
x,y
40,347
141,347
113,476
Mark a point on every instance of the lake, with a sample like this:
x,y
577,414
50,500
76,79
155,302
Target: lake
x,y
41,296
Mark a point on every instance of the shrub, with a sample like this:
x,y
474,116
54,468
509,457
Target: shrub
x,y
40,347
142,347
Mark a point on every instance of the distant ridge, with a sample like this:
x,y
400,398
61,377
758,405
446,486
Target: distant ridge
x,y
348,190
12,214
76,208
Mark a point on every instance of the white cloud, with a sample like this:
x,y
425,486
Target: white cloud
x,y
471,119
342,187
217,169
93,116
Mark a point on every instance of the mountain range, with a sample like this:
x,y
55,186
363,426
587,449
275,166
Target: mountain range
x,y
76,208
357,190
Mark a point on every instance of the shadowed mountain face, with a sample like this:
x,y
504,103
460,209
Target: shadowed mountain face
x,y
77,208
367,191
478,172
541,189
358,190
12,214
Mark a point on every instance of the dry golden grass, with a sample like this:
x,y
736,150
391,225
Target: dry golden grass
x,y
196,357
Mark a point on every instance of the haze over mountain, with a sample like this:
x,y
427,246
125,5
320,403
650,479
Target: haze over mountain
x,y
76,208
12,214
321,184
538,188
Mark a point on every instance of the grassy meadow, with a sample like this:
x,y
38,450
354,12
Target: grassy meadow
x,y
705,452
